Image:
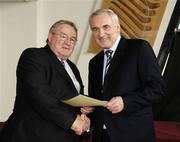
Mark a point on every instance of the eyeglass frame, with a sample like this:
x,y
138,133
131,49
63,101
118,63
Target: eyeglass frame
x,y
65,37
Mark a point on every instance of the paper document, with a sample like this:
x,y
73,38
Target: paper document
x,y
82,100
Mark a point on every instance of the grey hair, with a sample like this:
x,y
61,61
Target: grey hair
x,y
61,22
113,15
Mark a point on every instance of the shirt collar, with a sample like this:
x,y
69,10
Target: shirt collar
x,y
114,47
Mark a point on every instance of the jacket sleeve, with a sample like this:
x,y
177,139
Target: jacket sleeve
x,y
152,85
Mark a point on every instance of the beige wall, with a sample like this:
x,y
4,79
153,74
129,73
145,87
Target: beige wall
x,y
18,31
25,24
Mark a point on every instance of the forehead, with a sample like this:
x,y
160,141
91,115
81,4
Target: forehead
x,y
101,19
67,29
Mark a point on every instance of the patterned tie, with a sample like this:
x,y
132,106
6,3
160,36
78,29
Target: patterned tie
x,y
109,57
62,61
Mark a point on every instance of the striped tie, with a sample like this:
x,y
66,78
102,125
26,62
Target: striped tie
x,y
62,61
109,57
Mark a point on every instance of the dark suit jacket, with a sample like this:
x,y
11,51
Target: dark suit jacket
x,y
134,75
39,114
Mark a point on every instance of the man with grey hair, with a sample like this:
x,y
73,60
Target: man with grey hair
x,y
45,76
127,75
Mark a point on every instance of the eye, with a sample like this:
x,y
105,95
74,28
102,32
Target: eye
x,y
73,40
106,27
63,36
94,29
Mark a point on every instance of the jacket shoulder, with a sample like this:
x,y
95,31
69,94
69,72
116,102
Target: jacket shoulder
x,y
97,56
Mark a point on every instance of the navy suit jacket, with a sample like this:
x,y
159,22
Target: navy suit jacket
x,y
134,74
39,114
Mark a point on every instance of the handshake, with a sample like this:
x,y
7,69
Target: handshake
x,y
81,124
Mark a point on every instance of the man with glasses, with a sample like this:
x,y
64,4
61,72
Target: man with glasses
x,y
45,76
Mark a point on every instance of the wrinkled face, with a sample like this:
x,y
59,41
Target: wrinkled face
x,y
62,41
104,30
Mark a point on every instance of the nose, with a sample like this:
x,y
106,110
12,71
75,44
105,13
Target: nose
x,y
68,41
101,32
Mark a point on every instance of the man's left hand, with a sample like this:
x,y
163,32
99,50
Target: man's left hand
x,y
115,105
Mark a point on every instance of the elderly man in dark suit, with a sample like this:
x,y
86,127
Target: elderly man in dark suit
x,y
45,76
127,75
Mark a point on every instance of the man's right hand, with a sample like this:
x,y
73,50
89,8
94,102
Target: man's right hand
x,y
81,124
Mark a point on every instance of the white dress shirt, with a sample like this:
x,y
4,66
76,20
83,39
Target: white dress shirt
x,y
71,74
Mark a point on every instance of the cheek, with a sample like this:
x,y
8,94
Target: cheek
x,y
95,35
55,43
71,49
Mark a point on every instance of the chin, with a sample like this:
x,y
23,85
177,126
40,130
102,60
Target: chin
x,y
105,46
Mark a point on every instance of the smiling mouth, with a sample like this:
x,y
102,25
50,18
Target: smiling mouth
x,y
66,48
103,39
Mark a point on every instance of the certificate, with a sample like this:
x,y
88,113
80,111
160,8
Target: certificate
x,y
82,100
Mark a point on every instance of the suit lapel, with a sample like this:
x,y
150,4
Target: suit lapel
x,y
58,66
76,73
99,67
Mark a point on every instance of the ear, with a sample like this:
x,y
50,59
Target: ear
x,y
119,28
50,37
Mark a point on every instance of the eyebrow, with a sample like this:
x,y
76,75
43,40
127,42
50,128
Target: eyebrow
x,y
67,35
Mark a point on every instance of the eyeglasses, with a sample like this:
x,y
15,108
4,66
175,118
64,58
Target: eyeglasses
x,y
65,37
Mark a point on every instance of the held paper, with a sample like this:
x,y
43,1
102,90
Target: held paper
x,y
82,100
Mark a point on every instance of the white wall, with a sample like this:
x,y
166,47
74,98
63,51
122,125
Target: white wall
x,y
26,24
18,31
0,65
